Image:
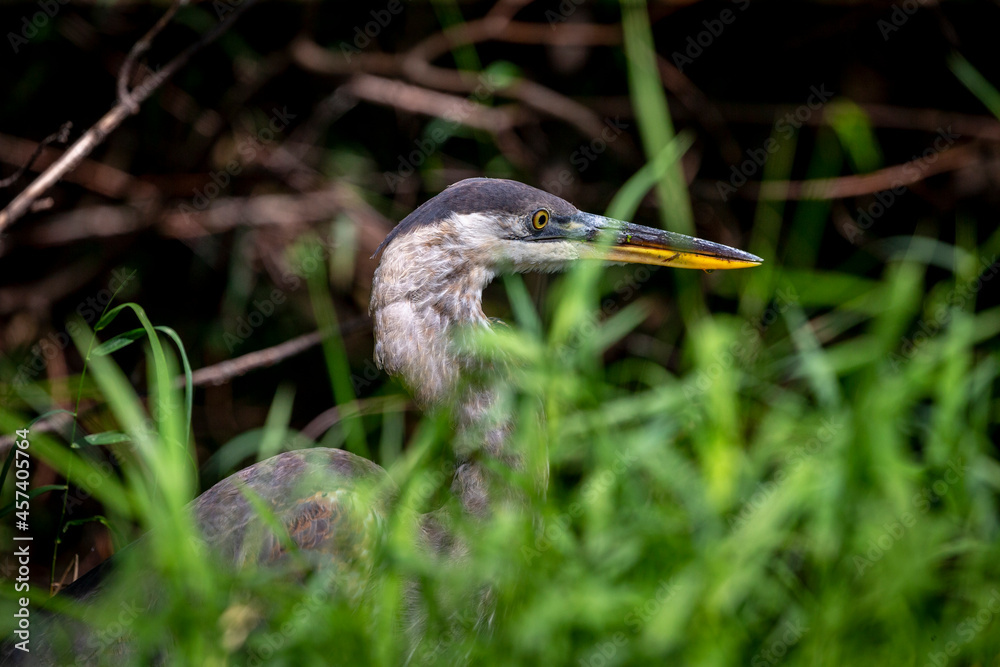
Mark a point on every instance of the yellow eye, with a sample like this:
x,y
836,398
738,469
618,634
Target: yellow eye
x,y
540,218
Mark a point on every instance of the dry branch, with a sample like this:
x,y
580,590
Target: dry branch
x,y
901,175
59,136
118,113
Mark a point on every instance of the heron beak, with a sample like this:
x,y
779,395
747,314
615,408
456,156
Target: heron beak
x,y
616,241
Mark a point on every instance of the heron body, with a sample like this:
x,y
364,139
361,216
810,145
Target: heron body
x,y
429,282
436,263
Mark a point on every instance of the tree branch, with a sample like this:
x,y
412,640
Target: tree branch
x,y
61,136
224,371
119,112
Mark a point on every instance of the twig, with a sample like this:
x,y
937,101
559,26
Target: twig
x,y
880,115
701,107
900,175
325,420
73,565
138,49
274,210
497,28
224,371
905,174
61,136
415,99
41,294
259,210
98,177
415,64
58,422
970,126
307,135
111,120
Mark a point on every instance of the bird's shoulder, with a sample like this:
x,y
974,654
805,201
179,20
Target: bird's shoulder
x,y
327,502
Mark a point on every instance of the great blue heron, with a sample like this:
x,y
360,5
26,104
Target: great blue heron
x,y
430,279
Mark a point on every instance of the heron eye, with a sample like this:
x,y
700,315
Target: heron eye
x,y
540,218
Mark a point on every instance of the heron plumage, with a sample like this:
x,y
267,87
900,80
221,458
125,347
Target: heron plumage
x,y
433,269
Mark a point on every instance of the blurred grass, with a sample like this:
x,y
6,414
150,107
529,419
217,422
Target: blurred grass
x,y
817,485
784,500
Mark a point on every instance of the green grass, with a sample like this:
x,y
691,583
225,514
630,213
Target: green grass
x,y
815,482
811,489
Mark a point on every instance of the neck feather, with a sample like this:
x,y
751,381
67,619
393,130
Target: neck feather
x,y
420,296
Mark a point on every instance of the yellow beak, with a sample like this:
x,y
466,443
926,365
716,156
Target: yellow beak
x,y
636,244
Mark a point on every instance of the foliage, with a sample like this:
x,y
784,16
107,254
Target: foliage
x,y
807,476
835,501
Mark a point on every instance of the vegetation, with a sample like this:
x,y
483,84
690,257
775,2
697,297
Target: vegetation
x,y
793,464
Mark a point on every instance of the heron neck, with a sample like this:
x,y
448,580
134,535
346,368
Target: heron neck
x,y
421,294
420,298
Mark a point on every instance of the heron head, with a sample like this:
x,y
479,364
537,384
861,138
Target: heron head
x,y
505,225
